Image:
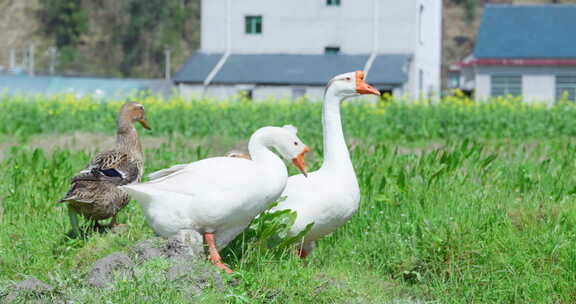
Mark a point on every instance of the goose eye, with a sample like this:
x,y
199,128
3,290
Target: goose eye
x,y
295,143
348,78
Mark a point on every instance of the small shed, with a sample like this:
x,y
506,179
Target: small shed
x,y
525,50
99,88
261,76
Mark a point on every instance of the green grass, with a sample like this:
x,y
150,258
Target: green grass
x,y
460,204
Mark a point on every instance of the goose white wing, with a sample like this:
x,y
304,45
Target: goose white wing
x,y
216,194
165,172
212,175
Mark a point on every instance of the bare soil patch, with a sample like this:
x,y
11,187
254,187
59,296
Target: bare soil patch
x,y
77,141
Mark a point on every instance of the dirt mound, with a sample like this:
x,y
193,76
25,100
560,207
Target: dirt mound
x,y
30,288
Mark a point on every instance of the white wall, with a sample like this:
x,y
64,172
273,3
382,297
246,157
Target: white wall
x,y
223,92
539,88
315,93
272,92
307,26
538,83
482,90
260,93
217,92
427,55
190,91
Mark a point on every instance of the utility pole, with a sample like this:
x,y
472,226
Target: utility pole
x,y
12,59
31,60
167,64
52,67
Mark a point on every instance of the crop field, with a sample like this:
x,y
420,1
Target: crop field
x,y
462,202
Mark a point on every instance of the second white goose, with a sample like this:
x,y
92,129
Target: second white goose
x,y
329,196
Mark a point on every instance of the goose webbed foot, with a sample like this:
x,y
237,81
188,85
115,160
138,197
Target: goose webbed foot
x,y
301,252
114,223
215,258
113,226
99,227
304,249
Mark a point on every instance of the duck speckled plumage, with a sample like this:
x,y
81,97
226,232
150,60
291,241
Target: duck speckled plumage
x,y
94,192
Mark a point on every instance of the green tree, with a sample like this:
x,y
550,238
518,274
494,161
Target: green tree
x,y
65,22
154,26
469,8
124,37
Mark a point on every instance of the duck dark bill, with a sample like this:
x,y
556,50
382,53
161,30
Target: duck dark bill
x,y
362,87
144,123
298,161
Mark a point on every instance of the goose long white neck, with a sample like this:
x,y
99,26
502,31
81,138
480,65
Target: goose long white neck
x,y
259,149
336,155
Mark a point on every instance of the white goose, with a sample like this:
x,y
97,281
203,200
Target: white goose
x,y
218,197
329,196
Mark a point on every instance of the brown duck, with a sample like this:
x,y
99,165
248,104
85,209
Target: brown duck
x,y
93,192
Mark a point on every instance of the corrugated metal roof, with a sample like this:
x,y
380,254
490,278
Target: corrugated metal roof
x,y
97,87
527,31
23,84
285,69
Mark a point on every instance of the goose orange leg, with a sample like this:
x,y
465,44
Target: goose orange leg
x,y
114,222
215,258
301,252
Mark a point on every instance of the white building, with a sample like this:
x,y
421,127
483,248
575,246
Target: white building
x,y
523,50
273,48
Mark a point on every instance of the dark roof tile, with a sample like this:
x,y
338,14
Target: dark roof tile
x,y
527,31
285,69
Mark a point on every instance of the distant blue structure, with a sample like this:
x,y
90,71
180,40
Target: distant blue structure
x,y
522,50
527,31
281,69
100,88
290,49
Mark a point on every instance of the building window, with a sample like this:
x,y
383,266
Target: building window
x,y
454,79
253,24
566,87
246,94
333,2
298,92
501,85
420,80
421,24
331,50
386,94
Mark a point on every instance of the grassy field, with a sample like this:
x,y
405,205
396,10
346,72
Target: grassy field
x,y
461,202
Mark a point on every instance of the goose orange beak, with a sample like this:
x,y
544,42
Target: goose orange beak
x,y
298,161
144,124
362,87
